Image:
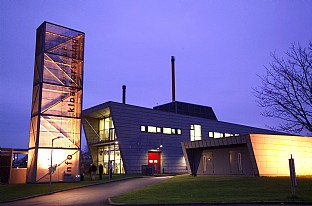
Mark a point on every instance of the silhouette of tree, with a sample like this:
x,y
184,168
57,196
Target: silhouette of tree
x,y
286,91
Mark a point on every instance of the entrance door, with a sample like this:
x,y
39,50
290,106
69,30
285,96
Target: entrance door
x,y
154,158
208,163
236,162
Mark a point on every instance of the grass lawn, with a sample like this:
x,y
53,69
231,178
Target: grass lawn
x,y
186,188
12,192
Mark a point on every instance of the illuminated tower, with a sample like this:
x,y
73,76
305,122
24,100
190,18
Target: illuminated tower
x,y
54,141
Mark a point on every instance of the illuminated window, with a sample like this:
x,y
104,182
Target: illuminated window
x,y
158,130
217,135
220,135
151,129
195,132
166,130
106,129
110,153
143,129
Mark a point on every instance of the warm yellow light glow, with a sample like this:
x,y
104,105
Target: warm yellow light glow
x,y
69,77
66,161
273,151
151,129
195,132
166,130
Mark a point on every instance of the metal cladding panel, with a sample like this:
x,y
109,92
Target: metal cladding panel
x,y
229,140
134,144
273,151
219,150
188,109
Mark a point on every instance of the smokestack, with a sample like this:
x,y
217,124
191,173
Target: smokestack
x,y
124,94
173,78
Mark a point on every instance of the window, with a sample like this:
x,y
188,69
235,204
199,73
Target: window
x,y
220,135
163,130
217,135
110,154
195,132
158,130
167,130
106,129
210,135
143,128
151,129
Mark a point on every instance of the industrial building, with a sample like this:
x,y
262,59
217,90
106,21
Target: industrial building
x,y
180,137
185,138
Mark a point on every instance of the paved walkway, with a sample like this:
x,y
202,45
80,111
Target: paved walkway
x,y
92,195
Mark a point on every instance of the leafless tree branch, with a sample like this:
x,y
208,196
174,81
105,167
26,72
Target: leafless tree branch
x,y
286,91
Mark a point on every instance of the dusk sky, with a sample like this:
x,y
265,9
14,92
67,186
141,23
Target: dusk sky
x,y
220,47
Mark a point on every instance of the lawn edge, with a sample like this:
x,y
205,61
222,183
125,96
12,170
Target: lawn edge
x,y
62,190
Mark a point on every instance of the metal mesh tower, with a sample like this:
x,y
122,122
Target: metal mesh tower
x,y
54,141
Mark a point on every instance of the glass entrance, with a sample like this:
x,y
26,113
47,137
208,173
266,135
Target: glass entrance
x,y
111,153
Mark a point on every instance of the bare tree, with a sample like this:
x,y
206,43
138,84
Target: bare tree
x,y
286,91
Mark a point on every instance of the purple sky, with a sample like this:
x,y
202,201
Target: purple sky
x,y
220,47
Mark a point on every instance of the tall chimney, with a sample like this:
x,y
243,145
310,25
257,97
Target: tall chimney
x,y
173,78
124,94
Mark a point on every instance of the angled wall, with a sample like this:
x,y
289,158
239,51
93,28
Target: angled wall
x,y
142,130
273,151
253,154
56,105
222,156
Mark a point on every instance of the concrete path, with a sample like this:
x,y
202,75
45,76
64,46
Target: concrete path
x,y
92,195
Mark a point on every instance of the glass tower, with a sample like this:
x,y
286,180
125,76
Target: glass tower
x,y
54,140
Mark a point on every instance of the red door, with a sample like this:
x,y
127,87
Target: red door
x,y
154,158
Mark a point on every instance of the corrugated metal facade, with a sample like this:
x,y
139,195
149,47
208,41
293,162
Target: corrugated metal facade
x,y
135,144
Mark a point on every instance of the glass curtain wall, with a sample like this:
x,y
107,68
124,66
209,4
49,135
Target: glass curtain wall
x,y
107,130
109,152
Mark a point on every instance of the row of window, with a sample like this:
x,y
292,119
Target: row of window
x,y
164,130
195,132
220,135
